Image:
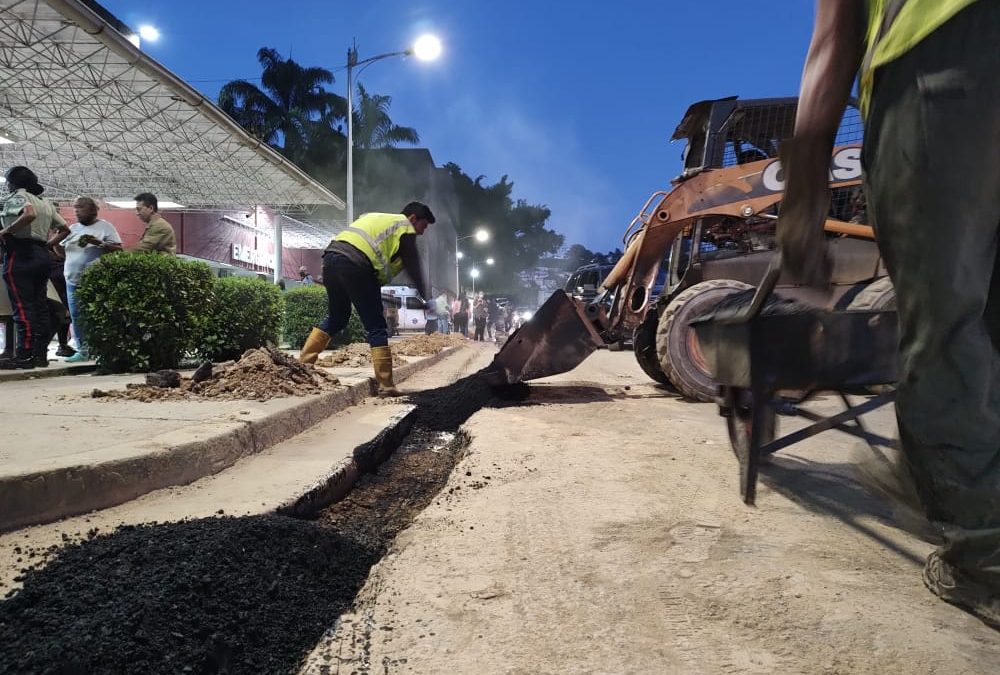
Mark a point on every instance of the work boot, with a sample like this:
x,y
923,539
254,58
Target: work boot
x,y
382,362
948,583
314,346
65,350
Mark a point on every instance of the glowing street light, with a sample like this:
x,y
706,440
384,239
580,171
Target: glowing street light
x,y
481,235
149,33
426,48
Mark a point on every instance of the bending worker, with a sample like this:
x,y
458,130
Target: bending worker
x,y
930,93
357,263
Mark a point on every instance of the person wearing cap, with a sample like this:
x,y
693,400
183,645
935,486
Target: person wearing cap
x,y
305,277
25,219
357,263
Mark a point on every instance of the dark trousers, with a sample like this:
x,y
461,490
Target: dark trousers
x,y
932,161
348,283
26,273
58,316
480,329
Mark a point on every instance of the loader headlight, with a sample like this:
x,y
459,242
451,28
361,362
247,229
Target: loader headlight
x,y
526,316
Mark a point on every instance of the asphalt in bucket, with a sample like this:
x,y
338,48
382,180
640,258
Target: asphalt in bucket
x,y
230,595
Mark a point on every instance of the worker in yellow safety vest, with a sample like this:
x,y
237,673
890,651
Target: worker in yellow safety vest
x,y
357,263
930,93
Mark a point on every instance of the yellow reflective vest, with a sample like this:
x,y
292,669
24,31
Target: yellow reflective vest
x,y
895,27
377,235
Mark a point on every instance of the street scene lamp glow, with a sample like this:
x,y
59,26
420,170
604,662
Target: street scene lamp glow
x,y
427,47
489,261
474,273
459,255
482,235
149,33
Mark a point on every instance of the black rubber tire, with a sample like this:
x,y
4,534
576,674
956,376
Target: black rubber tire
x,y
879,294
676,344
644,346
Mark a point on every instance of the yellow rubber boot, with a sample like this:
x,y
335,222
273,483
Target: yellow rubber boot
x,y
382,362
315,344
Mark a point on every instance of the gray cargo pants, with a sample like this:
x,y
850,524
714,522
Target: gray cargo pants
x,y
932,161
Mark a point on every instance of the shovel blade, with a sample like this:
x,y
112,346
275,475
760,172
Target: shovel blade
x,y
556,339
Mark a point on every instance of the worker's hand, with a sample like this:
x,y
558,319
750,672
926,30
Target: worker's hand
x,y
803,212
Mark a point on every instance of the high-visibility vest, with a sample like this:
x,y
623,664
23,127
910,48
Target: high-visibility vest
x,y
894,28
377,235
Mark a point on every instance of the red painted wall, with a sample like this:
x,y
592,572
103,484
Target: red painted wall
x,y
211,235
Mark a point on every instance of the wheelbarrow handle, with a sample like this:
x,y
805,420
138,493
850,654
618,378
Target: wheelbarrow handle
x,y
764,291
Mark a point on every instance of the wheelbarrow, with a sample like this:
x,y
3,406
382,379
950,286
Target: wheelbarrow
x,y
772,360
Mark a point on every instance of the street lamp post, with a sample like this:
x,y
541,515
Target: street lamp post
x,y
474,273
481,235
426,48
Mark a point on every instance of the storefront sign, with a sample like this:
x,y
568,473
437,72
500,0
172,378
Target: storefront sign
x,y
252,256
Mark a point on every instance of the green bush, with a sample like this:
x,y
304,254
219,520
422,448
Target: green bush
x,y
144,312
246,313
305,307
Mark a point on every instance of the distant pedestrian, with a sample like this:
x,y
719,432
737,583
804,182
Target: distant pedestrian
x,y
305,277
158,237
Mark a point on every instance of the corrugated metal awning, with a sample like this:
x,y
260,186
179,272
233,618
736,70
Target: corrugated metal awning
x,y
92,114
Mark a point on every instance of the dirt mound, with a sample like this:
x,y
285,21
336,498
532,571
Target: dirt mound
x,y
260,374
355,355
427,345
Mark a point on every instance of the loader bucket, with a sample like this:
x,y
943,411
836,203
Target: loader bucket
x,y
556,339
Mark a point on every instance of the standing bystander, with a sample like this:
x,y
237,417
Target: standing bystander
x,y
26,219
84,242
158,237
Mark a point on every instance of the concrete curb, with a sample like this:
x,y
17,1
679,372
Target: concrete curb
x,y
38,373
47,496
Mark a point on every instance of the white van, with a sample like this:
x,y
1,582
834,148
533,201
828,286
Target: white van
x,y
411,306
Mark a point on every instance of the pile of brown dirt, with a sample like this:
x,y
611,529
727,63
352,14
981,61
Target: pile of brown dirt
x,y
355,355
427,345
260,374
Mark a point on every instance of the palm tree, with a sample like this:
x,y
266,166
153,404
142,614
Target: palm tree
x,y
292,102
372,127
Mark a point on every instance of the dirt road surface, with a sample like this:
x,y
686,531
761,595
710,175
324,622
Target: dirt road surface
x,y
598,529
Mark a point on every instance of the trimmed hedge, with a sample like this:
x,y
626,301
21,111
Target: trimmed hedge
x,y
305,308
143,311
246,314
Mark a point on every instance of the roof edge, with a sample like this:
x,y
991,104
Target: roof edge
x,y
92,22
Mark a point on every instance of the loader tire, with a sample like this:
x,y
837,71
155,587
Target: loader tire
x,y
879,294
644,346
676,343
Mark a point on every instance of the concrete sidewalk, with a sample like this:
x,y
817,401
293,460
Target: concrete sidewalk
x,y
65,453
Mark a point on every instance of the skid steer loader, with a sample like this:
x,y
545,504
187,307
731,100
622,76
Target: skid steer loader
x,y
711,235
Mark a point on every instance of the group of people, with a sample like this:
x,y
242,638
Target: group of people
x,y
39,248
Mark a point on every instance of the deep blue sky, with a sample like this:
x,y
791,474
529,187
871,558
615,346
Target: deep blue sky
x,y
575,101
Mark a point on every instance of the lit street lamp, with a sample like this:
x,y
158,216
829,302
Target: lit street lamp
x,y
426,48
474,273
481,235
